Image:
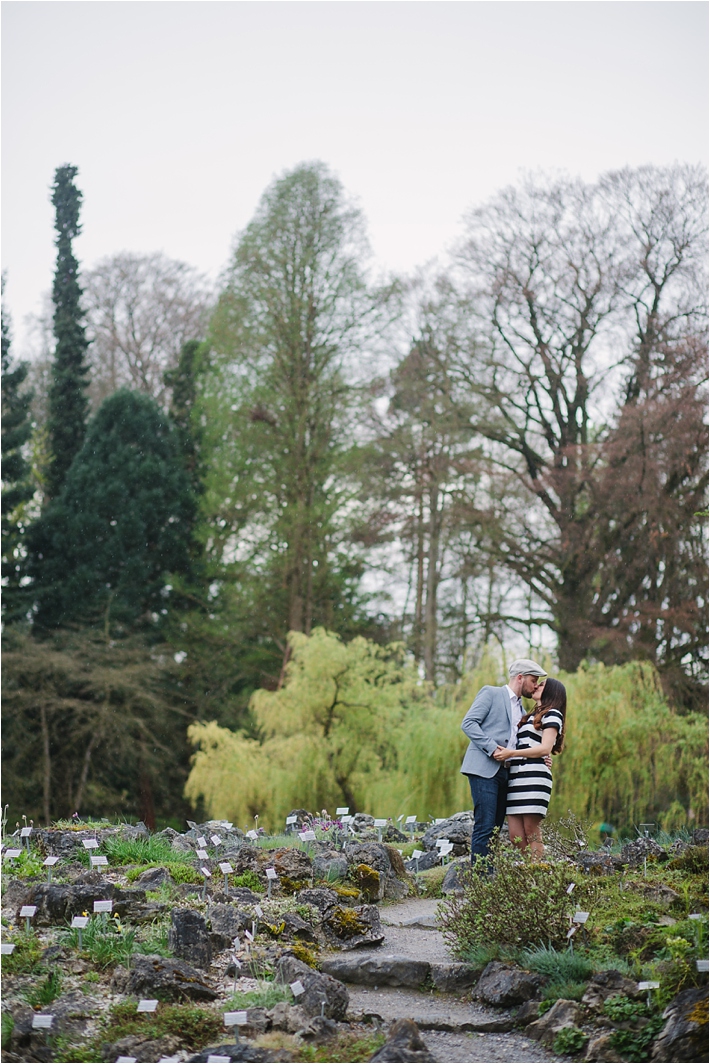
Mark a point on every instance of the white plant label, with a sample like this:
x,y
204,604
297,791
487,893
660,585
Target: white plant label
x,y
271,873
80,921
206,872
580,918
696,916
98,861
25,833
702,966
103,906
202,841
90,844
212,1058
570,888
342,810
28,910
126,1060
649,984
49,862
225,868
380,823
297,988
147,1005
308,836
440,820
215,840
203,855
259,911
572,931
7,947
252,834
291,820
42,1021
249,935
411,820
12,854
235,1019
416,854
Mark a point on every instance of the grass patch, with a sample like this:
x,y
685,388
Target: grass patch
x,y
250,880
480,956
8,1026
560,966
180,870
195,1026
45,991
265,997
349,1049
565,991
25,958
108,943
430,881
147,852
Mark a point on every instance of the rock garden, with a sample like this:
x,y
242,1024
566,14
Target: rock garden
x,y
349,940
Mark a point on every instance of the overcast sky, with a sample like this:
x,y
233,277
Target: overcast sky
x,y
178,114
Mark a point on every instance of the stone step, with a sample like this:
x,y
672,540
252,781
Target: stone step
x,y
391,969
431,1012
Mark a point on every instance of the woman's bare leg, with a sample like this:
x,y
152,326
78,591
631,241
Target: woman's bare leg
x,y
533,833
516,830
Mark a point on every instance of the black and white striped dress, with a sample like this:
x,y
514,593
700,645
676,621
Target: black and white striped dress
x,y
530,780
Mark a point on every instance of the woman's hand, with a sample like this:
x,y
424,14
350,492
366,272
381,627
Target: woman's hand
x,y
502,754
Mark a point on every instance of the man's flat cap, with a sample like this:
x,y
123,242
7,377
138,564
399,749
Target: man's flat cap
x,y
527,667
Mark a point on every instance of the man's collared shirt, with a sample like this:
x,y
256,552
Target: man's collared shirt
x,y
516,706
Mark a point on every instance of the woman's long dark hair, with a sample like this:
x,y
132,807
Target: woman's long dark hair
x,y
554,696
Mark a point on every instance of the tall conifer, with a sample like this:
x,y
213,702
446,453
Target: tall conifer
x,y
68,403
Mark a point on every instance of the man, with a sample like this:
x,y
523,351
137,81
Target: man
x,y
491,723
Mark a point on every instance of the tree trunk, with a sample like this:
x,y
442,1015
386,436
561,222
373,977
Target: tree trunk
x,y
46,767
419,604
147,805
432,585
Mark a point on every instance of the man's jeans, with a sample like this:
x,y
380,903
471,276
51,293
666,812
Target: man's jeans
x,y
489,801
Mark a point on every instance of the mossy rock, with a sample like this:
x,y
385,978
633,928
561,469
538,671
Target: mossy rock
x,y
344,892
368,880
693,861
303,953
345,923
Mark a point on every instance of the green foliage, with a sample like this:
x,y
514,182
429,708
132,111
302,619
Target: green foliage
x,y
693,861
45,991
28,864
564,991
250,880
103,551
24,960
265,996
634,1044
196,1027
17,488
152,852
480,956
68,403
570,1041
179,868
8,1026
558,965
109,942
498,908
620,1008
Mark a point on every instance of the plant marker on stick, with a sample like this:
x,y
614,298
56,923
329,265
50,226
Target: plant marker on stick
x,y
49,863
79,923
28,912
270,877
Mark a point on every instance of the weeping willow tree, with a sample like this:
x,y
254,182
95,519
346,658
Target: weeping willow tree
x,y
354,725
628,756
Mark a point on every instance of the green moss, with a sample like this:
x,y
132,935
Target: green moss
x,y
348,1049
344,892
195,1026
694,861
345,922
368,880
303,953
250,880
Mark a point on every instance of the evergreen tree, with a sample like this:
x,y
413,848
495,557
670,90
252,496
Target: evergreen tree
x,y
17,488
68,403
103,550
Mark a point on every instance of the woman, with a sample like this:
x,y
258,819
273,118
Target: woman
x,y
530,784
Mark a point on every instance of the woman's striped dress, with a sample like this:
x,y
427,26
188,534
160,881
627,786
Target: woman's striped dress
x,y
530,780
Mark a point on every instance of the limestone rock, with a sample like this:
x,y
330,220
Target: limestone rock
x,y
423,863
451,883
504,985
188,938
319,897
152,879
318,1030
600,1049
297,928
685,1035
144,1050
562,1014
292,864
319,988
58,902
393,834
456,829
395,889
609,984
354,927
286,1017
404,1043
330,865
372,854
633,853
239,1051
452,976
226,922
376,969
153,976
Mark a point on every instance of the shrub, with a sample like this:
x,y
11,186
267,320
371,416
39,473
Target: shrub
x,y
520,905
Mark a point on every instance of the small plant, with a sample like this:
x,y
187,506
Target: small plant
x,y
180,871
620,1008
480,956
46,991
28,864
348,1049
196,1027
150,851
570,1041
25,958
265,996
250,880
8,1025
635,1045
106,942
569,991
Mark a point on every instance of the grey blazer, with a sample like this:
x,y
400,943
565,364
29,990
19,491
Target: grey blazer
x,y
487,724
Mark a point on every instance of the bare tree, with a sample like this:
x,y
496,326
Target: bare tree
x,y
141,309
585,296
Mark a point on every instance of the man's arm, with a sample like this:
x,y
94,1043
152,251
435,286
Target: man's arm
x,y
471,724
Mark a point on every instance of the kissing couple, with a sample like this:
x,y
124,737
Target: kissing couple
x,y
508,760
